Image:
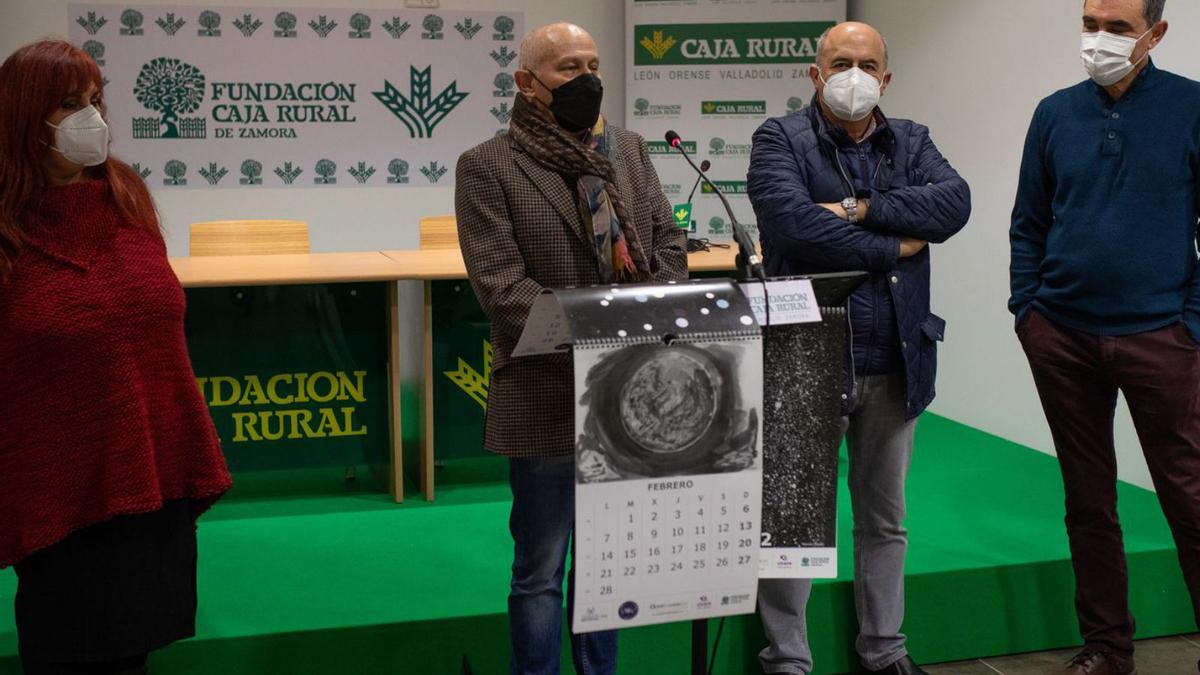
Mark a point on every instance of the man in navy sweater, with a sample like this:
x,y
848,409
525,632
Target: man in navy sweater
x,y
1106,291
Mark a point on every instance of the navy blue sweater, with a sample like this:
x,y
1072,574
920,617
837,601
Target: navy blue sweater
x,y
1104,229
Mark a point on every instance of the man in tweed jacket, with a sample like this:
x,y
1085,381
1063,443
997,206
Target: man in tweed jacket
x,y
522,229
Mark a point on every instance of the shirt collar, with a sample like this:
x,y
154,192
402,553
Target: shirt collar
x,y
1145,80
879,131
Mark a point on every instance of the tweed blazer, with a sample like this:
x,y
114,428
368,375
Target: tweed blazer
x,y
521,232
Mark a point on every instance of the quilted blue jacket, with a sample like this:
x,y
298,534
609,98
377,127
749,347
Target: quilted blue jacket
x,y
795,165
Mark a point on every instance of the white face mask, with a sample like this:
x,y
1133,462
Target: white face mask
x,y
1106,56
851,94
82,137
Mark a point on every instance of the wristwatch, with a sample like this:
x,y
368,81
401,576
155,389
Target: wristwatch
x,y
850,204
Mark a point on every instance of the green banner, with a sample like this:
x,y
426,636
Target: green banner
x,y
729,187
462,363
755,108
294,376
683,217
664,148
702,44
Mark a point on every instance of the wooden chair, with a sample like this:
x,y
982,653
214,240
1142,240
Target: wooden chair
x,y
248,237
439,232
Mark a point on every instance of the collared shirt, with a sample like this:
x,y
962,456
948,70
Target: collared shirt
x,y
1104,228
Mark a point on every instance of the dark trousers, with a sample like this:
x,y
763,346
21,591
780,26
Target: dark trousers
x,y
1078,376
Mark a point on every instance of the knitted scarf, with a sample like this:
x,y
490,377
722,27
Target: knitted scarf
x,y
619,251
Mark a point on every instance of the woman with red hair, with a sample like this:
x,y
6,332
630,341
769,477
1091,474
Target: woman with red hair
x,y
107,451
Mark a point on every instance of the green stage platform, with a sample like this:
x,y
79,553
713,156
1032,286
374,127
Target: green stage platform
x,y
300,574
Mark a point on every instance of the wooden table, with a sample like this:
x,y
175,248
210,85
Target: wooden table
x,y
382,266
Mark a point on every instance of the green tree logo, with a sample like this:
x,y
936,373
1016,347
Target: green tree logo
x,y
211,21
716,146
326,172
504,84
95,50
433,172
421,112
251,172
361,172
286,23
212,173
795,104
172,88
144,173
175,171
360,23
398,169
288,173
396,27
247,24
433,27
170,24
132,20
716,225
467,28
503,57
90,23
641,106
503,26
502,114
323,27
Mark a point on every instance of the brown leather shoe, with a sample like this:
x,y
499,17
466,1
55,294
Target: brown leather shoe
x,y
1091,662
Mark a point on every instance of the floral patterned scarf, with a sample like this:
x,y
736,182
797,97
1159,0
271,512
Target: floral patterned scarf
x,y
619,250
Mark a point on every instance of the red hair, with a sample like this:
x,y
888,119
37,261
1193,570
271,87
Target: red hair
x,y
33,83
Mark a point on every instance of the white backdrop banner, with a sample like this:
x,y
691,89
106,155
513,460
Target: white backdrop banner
x,y
714,70
303,97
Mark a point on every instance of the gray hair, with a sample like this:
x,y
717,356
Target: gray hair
x,y
821,40
1153,11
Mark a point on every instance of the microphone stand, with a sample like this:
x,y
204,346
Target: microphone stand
x,y
749,267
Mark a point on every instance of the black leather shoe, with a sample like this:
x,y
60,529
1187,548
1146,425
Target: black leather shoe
x,y
1089,662
904,666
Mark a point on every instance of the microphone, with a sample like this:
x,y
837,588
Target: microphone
x,y
748,264
704,167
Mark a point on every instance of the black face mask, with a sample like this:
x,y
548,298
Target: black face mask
x,y
576,104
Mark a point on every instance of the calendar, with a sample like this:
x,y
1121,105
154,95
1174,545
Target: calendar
x,y
669,454
668,488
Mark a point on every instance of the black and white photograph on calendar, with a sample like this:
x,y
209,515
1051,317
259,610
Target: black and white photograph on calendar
x,y
659,410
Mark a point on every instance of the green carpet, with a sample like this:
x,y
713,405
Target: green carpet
x,y
300,573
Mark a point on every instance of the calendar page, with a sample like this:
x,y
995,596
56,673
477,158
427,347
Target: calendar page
x,y
668,480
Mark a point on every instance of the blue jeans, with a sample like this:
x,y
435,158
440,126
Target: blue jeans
x,y
542,520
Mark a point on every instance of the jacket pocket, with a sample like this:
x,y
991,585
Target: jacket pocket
x,y
934,327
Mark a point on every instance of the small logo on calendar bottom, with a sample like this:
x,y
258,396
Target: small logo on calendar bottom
x,y
784,562
822,561
703,603
727,600
628,610
590,614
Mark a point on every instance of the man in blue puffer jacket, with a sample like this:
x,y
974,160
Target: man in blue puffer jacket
x,y
839,187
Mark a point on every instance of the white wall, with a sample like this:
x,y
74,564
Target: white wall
x,y
973,71
340,220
